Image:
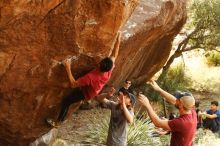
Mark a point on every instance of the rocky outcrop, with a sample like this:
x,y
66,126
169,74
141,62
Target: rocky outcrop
x,y
46,139
148,37
36,34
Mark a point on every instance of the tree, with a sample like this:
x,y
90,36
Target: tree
x,y
202,31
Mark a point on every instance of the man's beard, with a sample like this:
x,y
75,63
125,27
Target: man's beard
x,y
177,106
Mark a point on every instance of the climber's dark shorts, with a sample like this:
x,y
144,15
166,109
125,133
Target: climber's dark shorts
x,y
75,95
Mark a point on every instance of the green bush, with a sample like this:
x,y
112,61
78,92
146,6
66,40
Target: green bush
x,y
97,131
175,79
139,133
213,58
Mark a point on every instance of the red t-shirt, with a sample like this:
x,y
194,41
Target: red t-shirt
x,y
93,82
183,129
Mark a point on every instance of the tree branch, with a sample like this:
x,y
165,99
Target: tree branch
x,y
191,48
186,40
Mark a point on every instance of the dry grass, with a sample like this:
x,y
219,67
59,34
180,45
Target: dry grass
x,y
207,138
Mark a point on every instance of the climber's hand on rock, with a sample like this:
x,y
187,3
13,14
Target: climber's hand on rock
x,y
67,62
119,37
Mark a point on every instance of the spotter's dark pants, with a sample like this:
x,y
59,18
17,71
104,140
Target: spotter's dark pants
x,y
210,124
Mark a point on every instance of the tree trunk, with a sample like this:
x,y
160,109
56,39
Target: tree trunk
x,y
164,73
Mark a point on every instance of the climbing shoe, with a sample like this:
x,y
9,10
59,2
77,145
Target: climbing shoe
x,y
52,123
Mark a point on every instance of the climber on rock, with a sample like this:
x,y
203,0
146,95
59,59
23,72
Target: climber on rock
x,y
87,86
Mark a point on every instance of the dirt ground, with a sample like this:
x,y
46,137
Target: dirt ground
x,y
72,131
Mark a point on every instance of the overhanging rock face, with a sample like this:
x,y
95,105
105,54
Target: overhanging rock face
x,y
148,37
36,35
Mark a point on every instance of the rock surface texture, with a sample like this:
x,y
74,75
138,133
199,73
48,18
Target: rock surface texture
x,y
36,34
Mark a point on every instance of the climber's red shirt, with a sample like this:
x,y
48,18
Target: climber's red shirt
x,y
93,82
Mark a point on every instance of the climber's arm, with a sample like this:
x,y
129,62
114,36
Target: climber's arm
x,y
73,83
115,50
103,97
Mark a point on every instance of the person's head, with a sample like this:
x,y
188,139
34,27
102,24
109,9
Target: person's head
x,y
127,84
185,101
130,99
106,64
214,105
197,103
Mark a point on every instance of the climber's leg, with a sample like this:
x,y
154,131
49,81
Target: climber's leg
x,y
75,96
73,108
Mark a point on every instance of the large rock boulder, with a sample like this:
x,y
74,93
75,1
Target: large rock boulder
x,y
36,34
148,37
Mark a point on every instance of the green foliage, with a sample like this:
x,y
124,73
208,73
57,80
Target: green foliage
x,y
138,133
172,81
213,58
202,32
97,131
175,79
204,22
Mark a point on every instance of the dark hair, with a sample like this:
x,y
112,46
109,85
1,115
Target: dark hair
x,y
197,103
106,64
127,80
215,103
